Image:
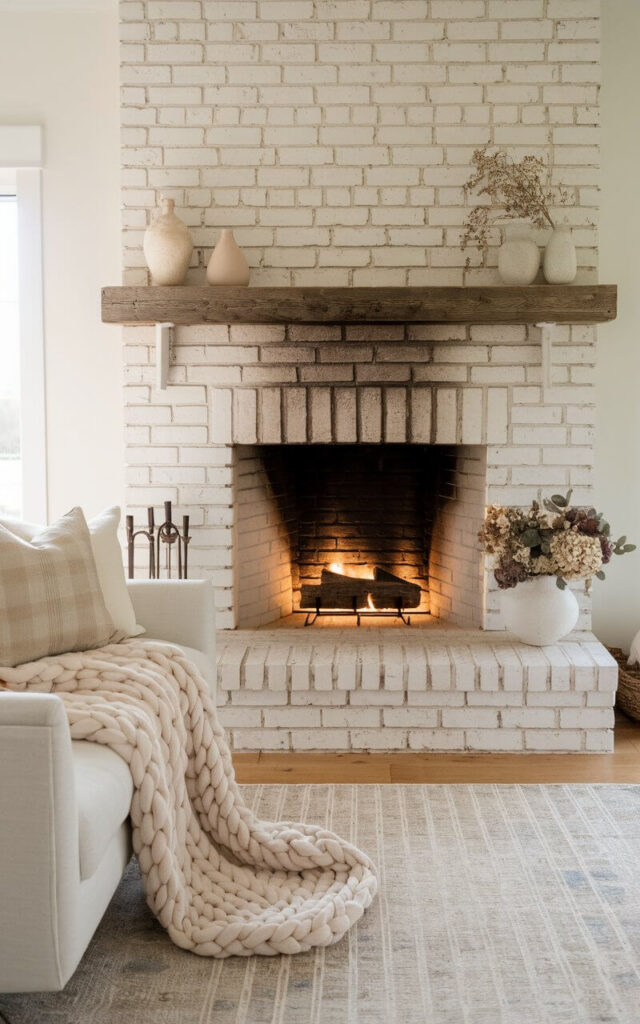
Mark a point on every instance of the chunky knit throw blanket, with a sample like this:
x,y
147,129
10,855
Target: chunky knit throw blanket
x,y
220,881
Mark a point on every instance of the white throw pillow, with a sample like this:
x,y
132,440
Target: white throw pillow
x,y
103,531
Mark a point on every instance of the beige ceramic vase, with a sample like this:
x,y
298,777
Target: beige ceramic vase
x,y
227,265
518,256
560,264
167,246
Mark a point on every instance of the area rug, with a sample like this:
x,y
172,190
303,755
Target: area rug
x,y
497,905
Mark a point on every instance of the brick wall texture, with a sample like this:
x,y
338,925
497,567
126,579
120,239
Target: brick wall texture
x,y
334,137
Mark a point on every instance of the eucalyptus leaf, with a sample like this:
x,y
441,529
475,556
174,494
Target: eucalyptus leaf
x,y
629,547
621,540
559,500
530,538
560,583
601,575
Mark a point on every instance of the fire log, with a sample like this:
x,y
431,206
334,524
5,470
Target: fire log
x,y
339,591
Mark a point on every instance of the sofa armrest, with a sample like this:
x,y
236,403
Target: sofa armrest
x,y
39,870
179,611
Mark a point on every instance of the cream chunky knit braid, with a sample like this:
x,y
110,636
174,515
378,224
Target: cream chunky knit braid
x,y
220,881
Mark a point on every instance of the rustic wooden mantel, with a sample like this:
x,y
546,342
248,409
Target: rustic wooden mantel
x,y
558,304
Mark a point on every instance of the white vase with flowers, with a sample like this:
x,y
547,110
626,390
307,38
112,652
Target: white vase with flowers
x,y
536,552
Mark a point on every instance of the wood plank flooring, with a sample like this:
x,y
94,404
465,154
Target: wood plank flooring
x,y
621,766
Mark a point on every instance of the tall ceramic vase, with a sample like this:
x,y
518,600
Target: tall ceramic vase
x,y
227,264
560,264
538,612
167,246
518,256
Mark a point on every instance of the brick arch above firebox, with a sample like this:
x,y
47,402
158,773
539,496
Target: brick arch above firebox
x,y
351,414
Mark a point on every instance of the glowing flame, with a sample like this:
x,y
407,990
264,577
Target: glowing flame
x,y
370,603
354,572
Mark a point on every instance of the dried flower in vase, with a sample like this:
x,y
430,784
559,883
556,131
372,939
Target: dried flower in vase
x,y
515,189
561,540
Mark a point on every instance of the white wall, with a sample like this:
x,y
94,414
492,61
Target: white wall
x,y
617,600
60,69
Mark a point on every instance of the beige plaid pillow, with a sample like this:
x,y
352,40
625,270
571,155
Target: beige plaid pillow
x,y
50,597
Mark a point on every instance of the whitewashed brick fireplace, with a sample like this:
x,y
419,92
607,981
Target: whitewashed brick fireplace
x,y
334,137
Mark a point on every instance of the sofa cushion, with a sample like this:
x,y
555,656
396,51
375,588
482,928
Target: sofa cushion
x,y
104,789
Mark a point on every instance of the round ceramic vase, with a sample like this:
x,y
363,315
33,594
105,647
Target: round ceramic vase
x,y
560,264
518,256
538,612
227,265
167,246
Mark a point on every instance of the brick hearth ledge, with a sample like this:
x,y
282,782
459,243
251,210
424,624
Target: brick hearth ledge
x,y
432,688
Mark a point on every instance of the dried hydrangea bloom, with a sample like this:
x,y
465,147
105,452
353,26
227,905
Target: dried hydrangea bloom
x,y
509,573
499,529
576,555
544,566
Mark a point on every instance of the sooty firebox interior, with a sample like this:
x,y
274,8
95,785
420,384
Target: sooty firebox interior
x,y
355,527
358,521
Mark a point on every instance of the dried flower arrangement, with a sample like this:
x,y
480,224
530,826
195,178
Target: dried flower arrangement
x,y
514,188
568,542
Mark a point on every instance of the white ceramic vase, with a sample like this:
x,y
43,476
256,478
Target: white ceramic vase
x,y
518,256
560,264
167,246
538,612
227,264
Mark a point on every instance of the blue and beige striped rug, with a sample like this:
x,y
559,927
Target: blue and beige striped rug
x,y
498,905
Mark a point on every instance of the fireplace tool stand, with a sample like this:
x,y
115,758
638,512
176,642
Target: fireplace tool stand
x,y
166,536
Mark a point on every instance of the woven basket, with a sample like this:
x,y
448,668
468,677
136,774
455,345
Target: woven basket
x,y
628,695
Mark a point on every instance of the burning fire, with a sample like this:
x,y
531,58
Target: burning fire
x,y
370,603
355,572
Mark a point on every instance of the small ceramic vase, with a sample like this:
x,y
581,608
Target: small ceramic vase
x,y
227,264
518,256
538,612
560,264
167,246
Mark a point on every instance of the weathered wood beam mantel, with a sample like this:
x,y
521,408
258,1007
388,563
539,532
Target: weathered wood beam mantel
x,y
187,304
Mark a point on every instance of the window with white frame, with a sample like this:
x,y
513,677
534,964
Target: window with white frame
x,y
10,448
23,471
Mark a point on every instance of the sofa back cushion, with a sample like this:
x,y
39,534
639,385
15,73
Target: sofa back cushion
x,y
50,597
103,531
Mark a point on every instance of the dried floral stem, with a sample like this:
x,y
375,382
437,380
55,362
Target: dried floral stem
x,y
515,189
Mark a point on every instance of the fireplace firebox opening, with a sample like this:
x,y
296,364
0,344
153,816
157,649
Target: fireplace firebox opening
x,y
357,530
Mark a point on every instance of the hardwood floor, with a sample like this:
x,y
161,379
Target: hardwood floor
x,y
621,766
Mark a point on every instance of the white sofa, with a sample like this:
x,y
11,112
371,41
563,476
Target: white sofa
x,y
64,806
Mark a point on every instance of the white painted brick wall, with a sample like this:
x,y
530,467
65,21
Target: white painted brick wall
x,y
335,139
